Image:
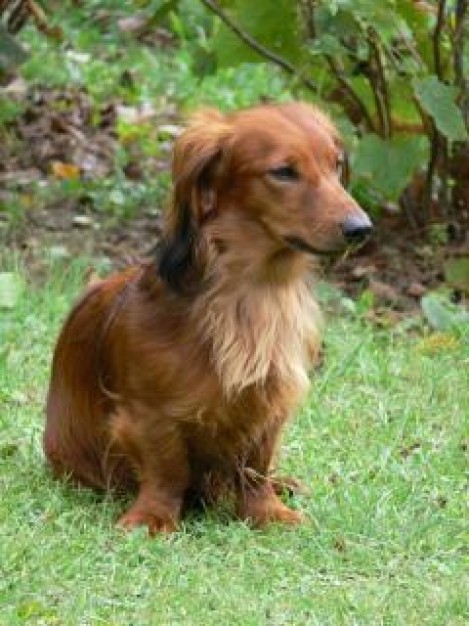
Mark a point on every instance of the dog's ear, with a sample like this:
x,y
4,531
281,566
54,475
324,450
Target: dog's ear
x,y
196,154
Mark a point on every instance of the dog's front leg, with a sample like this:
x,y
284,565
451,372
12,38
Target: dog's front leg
x,y
158,455
257,500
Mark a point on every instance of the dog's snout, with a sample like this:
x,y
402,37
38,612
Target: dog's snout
x,y
357,228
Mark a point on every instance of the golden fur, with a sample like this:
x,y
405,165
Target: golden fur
x,y
177,380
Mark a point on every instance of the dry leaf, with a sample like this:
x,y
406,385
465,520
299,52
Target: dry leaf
x,y
437,342
383,291
65,171
82,221
416,290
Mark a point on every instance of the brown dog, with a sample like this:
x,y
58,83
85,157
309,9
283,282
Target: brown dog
x,y
178,378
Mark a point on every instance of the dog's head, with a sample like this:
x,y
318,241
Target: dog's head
x,y
271,174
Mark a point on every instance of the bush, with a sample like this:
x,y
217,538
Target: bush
x,y
392,72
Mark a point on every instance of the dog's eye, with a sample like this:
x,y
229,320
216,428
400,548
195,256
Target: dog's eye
x,y
340,164
342,168
285,173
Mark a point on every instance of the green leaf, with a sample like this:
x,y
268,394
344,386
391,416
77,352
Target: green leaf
x,y
162,9
327,44
340,24
11,53
362,14
457,273
275,28
441,314
388,165
11,287
438,100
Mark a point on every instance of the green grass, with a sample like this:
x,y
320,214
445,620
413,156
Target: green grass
x,y
382,443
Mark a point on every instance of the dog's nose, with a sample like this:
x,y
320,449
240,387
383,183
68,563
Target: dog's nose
x,y
356,228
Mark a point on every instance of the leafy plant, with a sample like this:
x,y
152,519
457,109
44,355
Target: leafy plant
x,y
443,315
11,53
395,69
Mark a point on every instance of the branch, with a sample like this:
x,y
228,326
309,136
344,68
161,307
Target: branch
x,y
256,46
14,13
430,174
307,10
459,36
440,22
379,85
345,84
439,155
458,55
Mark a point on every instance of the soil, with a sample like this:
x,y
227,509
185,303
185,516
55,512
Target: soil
x,y
57,137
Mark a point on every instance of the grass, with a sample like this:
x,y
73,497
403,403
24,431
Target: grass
x,y
382,443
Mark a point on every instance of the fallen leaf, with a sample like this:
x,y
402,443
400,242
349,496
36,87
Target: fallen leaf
x,y
83,221
383,291
437,342
65,171
361,271
416,290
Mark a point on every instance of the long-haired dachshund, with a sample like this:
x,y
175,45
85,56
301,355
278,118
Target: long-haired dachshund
x,y
177,378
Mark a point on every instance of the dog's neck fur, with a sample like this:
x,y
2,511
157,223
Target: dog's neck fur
x,y
260,325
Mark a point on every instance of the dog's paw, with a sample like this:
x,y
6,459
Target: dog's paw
x,y
155,522
277,513
288,516
261,511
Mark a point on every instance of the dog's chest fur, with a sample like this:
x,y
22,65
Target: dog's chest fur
x,y
261,346
262,335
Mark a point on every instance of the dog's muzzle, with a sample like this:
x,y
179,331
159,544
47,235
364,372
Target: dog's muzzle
x,y
302,246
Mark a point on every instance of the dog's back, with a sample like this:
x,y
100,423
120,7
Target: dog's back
x,y
78,404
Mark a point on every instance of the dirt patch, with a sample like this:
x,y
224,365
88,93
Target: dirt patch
x,y
61,136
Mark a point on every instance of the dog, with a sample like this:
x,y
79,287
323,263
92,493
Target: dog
x,y
178,377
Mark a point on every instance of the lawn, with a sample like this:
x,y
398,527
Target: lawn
x,y
381,443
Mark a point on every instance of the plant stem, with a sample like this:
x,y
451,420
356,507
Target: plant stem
x,y
460,80
347,87
438,144
256,46
440,23
377,78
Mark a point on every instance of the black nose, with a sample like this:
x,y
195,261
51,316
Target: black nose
x,y
357,228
